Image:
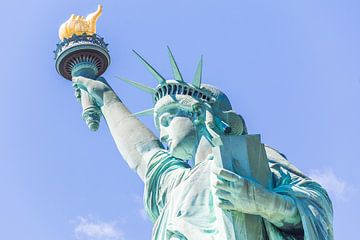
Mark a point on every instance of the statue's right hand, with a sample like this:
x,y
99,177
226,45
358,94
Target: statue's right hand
x,y
96,88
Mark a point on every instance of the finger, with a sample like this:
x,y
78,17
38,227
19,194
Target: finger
x,y
77,94
225,204
77,91
81,82
102,79
225,174
223,194
222,185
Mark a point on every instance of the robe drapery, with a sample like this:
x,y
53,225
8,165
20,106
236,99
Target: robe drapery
x,y
179,200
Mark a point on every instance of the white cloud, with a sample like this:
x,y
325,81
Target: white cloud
x,y
88,228
335,186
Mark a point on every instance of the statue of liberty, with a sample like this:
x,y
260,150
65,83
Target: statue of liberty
x,y
237,187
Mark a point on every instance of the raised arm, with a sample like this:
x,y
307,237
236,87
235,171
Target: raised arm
x,y
136,143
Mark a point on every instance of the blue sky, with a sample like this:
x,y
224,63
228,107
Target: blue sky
x,y
291,68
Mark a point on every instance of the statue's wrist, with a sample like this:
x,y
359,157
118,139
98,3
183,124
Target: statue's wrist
x,y
262,198
269,203
110,97
278,209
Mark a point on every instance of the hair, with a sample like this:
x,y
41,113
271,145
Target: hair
x,y
230,122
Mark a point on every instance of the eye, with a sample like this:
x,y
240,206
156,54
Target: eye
x,y
164,122
166,119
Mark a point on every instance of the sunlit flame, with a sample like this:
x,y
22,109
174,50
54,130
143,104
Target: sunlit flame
x,y
78,24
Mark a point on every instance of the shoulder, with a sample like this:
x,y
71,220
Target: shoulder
x,y
278,160
163,162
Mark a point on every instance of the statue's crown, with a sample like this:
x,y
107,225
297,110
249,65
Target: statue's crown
x,y
176,86
167,92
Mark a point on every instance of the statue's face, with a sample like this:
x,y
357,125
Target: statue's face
x,y
178,131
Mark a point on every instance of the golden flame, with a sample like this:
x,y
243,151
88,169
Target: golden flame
x,y
78,24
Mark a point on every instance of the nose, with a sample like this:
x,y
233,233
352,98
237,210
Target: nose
x,y
164,136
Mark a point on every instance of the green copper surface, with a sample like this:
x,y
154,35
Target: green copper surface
x,y
236,189
91,112
138,85
197,78
156,75
175,68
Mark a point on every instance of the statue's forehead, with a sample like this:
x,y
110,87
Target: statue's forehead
x,y
174,102
176,108
173,108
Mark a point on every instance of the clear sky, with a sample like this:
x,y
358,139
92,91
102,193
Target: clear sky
x,y
291,68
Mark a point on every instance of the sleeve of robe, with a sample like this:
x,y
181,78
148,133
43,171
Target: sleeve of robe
x,y
311,199
159,181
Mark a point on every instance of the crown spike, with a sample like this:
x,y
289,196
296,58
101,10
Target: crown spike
x,y
197,78
157,75
175,68
138,85
147,112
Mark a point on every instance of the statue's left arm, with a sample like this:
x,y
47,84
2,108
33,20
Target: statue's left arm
x,y
296,207
244,195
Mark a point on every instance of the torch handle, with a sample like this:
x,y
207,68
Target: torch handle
x,y
91,112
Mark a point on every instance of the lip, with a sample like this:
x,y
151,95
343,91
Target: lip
x,y
169,142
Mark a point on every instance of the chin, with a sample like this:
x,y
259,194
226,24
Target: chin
x,y
182,151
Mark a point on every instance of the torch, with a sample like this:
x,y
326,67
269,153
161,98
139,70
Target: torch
x,y
81,52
